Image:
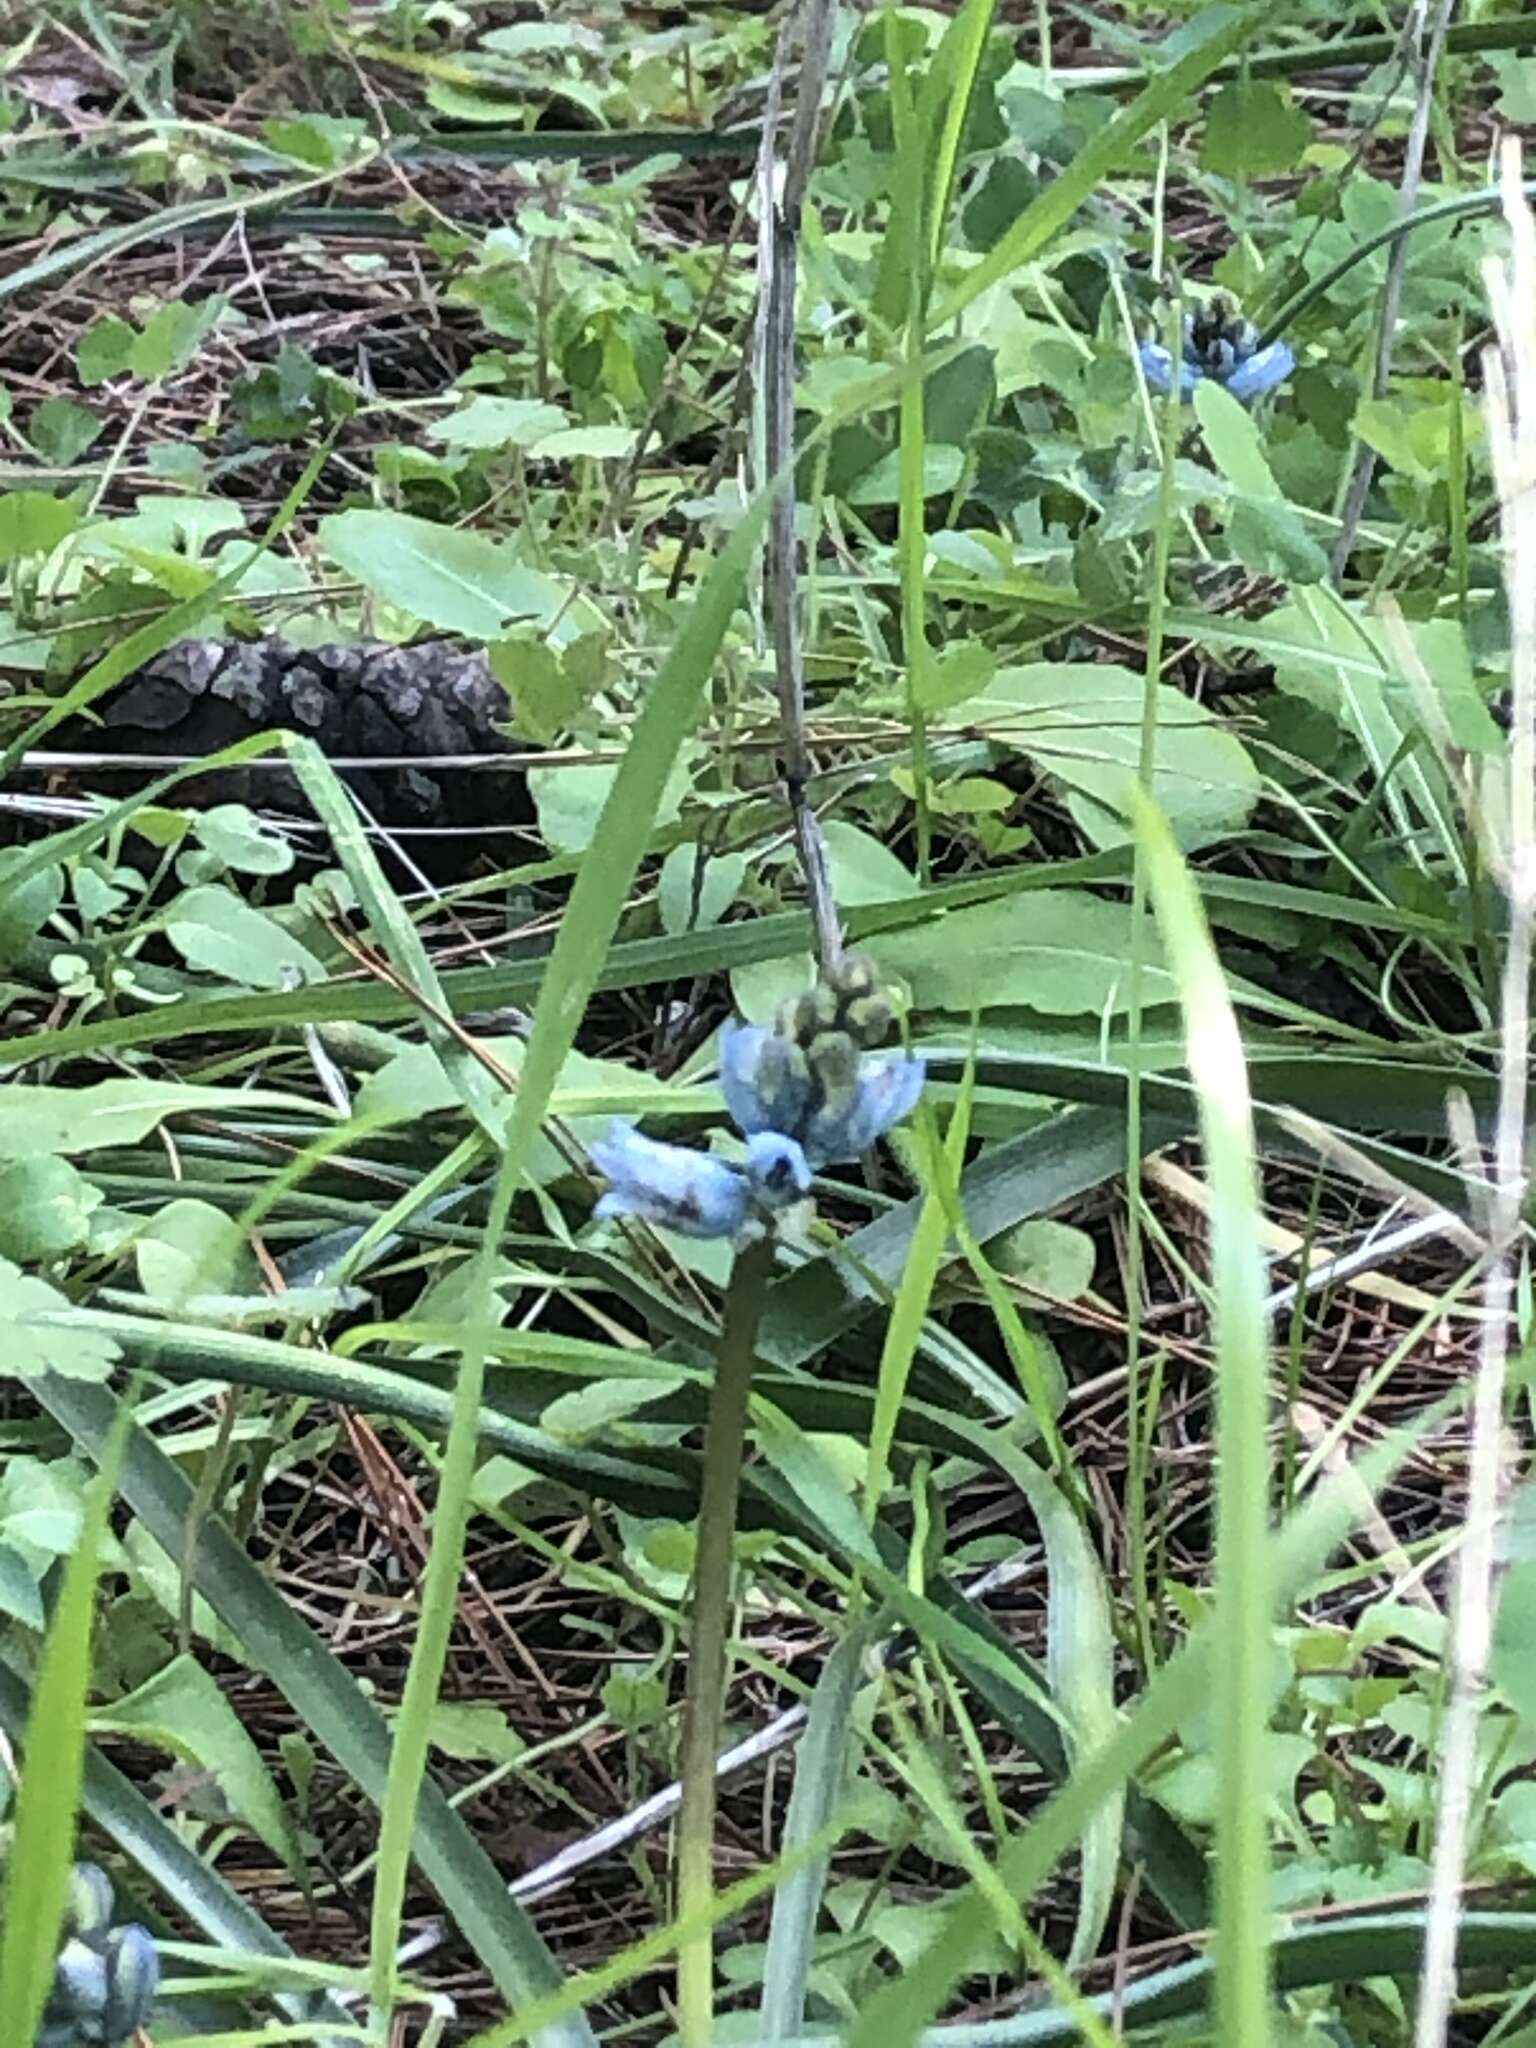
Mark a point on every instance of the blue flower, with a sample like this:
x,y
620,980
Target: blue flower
x,y
832,1100
693,1192
804,1095
1224,348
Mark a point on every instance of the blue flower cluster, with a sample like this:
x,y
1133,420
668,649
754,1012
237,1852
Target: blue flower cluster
x,y
1220,345
105,1979
807,1094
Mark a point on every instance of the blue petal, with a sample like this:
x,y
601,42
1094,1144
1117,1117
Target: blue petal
x,y
778,1169
1261,371
758,1074
889,1084
670,1185
1158,367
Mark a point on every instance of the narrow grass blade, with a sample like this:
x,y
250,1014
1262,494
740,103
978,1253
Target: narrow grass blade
x,y
389,918
1243,1595
41,1849
821,1770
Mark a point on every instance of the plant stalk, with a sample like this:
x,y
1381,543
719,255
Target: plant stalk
x,y
725,1434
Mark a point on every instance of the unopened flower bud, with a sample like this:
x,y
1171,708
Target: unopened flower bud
x,y
133,1976
88,1906
80,1986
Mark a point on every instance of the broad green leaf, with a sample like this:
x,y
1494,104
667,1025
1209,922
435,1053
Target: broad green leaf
x,y
571,800
461,582
1253,129
1050,1258
172,336
105,349
182,1710
242,842
45,1208
33,523
28,1346
1081,722
1236,445
219,932
475,1732
1061,952
190,1248
696,888
62,431
864,870
105,1113
499,423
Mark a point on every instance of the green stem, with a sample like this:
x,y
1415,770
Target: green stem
x,y
725,1434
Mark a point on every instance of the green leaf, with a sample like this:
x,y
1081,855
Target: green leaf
x,y
694,890
596,443
190,1248
216,930
1236,445
1081,722
1048,1257
28,1347
461,582
45,1208
954,674
475,1733
62,431
172,337
242,841
181,1710
881,484
49,1119
863,869
571,801
494,423
1059,951
548,686
1253,130
33,523
105,349
325,142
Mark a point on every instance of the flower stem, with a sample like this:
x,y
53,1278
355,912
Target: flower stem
x,y
702,1711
